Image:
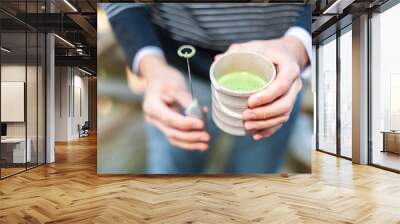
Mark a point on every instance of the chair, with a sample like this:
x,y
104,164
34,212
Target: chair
x,y
84,130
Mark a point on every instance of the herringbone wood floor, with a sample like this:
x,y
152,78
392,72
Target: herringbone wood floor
x,y
69,191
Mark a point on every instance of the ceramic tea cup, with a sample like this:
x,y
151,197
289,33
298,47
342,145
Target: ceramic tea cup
x,y
229,103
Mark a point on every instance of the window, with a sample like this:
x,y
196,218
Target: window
x,y
327,96
346,95
22,77
385,89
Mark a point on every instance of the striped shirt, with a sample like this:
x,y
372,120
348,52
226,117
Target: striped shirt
x,y
217,25
214,26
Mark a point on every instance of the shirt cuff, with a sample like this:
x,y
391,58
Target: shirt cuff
x,y
148,50
304,36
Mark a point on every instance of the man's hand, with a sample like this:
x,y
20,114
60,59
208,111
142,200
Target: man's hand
x,y
166,90
270,108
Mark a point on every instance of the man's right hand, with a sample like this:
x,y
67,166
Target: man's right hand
x,y
166,90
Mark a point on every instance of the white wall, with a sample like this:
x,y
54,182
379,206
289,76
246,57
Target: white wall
x,y
80,100
71,93
34,125
62,81
12,73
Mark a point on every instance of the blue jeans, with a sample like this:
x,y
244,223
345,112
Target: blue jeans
x,y
246,155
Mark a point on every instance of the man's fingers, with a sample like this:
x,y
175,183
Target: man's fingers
x,y
183,98
189,140
266,132
189,146
183,140
148,118
218,56
232,47
189,136
281,106
169,117
278,87
167,99
265,124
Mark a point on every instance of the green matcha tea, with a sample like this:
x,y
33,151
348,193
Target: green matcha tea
x,y
241,81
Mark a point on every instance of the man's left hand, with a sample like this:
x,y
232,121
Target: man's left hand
x,y
270,108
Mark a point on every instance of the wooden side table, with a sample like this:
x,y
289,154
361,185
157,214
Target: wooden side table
x,y
391,141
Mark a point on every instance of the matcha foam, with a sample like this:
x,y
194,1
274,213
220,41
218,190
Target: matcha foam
x,y
241,81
